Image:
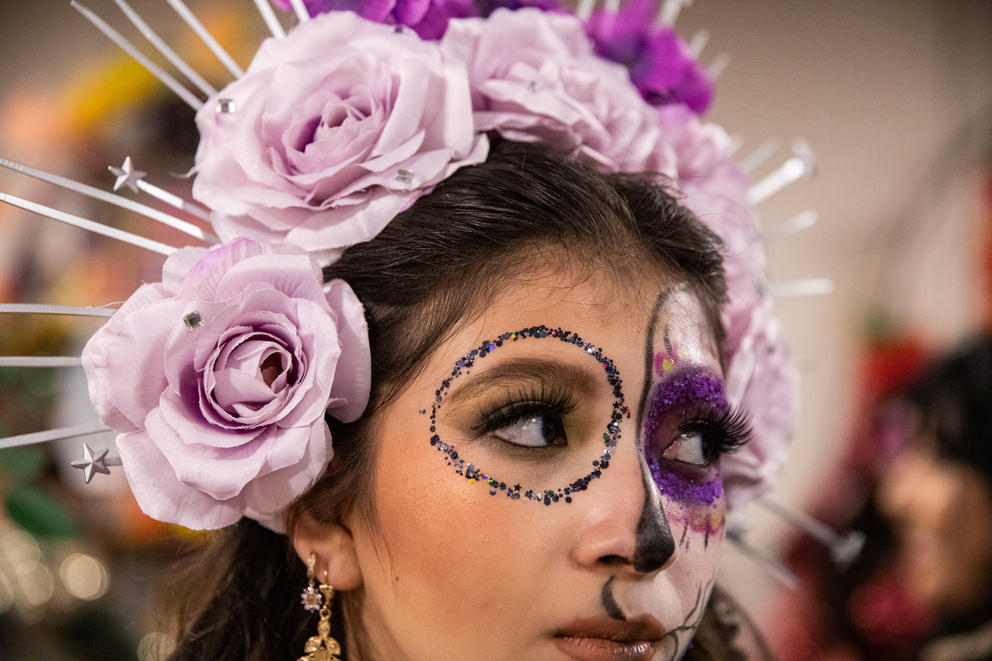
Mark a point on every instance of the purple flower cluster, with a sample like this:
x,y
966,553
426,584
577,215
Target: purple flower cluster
x,y
428,18
660,64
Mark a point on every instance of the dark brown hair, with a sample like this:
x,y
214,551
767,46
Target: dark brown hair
x,y
431,268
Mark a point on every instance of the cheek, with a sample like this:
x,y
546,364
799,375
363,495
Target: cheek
x,y
450,561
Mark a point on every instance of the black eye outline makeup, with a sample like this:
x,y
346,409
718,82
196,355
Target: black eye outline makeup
x,y
611,435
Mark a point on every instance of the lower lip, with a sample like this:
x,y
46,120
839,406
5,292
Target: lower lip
x,y
603,649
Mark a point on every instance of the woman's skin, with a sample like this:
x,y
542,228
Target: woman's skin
x,y
449,571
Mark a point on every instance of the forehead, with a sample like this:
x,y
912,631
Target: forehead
x,y
624,314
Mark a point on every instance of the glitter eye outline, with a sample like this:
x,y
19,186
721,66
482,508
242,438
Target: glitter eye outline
x,y
611,434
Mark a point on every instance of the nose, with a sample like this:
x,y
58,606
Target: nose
x,y
624,527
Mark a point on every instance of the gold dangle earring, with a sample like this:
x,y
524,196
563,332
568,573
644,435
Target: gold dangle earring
x,y
320,647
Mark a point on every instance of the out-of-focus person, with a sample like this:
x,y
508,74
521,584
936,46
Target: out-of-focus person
x,y
937,497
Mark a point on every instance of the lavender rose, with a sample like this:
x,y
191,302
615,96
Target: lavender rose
x,y
218,379
535,78
334,131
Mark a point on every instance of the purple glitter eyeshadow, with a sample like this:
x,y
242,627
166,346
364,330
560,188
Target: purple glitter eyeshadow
x,y
681,390
546,496
678,488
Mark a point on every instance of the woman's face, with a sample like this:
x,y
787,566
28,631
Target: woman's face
x,y
546,487
940,511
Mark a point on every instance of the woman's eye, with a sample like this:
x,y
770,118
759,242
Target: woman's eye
x,y
688,448
534,432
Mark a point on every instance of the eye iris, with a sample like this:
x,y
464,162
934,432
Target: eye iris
x,y
550,429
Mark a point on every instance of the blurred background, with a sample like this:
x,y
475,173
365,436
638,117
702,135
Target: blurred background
x,y
893,96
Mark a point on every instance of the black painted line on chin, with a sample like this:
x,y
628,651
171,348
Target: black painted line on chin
x,y
609,603
649,358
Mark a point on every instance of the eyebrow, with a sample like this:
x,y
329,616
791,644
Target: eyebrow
x,y
517,370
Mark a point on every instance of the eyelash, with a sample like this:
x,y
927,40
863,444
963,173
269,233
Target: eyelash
x,y
553,401
723,430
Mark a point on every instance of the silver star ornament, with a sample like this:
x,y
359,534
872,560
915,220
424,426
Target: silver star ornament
x,y
127,175
92,463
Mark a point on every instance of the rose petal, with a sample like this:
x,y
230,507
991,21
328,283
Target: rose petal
x,y
123,359
161,496
353,374
274,491
223,472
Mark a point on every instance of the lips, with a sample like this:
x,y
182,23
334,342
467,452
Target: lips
x,y
606,639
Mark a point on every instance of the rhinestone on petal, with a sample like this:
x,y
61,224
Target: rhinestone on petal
x,y
193,320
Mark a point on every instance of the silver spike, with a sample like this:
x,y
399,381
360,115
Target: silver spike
x,y
843,548
698,42
128,176
269,16
40,361
117,200
759,155
165,49
86,224
801,221
53,435
41,308
774,567
718,66
584,9
800,164
805,287
194,23
670,10
301,10
140,57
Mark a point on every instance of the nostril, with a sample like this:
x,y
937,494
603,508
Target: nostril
x,y
613,560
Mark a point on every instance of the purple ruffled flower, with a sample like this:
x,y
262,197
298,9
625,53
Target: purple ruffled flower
x,y
660,64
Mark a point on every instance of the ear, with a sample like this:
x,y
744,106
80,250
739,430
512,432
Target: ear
x,y
335,548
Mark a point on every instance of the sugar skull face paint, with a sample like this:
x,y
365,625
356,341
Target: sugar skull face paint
x,y
448,567
686,421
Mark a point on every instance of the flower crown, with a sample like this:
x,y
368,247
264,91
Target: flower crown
x,y
217,378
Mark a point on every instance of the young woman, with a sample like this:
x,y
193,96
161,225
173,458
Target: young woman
x,y
526,310
501,420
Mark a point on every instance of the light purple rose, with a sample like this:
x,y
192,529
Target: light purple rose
x,y
536,78
217,380
334,130
760,375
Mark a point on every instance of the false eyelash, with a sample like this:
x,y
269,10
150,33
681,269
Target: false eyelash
x,y
526,403
726,430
